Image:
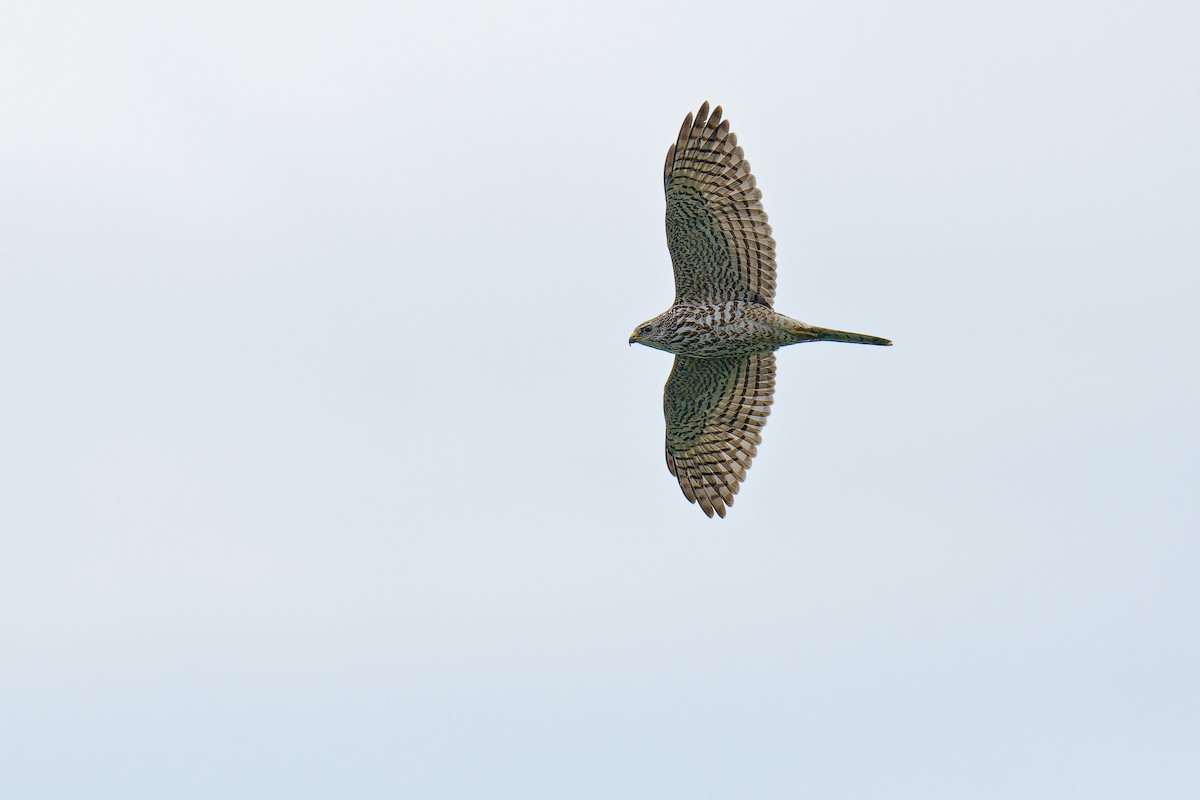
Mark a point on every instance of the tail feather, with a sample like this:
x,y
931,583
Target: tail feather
x,y
830,335
812,333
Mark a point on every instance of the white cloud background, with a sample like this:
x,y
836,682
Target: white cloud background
x,y
327,471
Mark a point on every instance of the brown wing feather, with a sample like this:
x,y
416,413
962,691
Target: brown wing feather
x,y
716,409
720,242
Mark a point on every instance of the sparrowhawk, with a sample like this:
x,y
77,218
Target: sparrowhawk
x,y
721,326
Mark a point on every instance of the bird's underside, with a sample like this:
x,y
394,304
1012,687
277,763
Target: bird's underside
x,y
721,327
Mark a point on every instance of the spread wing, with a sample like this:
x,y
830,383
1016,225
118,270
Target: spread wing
x,y
715,410
717,231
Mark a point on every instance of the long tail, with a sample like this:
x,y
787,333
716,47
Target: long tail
x,y
811,333
829,335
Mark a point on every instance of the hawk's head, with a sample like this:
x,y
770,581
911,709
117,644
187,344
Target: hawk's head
x,y
657,333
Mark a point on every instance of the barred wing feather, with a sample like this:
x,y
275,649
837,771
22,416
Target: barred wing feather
x,y
716,409
717,232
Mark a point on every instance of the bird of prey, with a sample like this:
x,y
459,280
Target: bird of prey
x,y
721,327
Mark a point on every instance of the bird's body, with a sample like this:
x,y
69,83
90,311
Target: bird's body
x,y
721,327
733,328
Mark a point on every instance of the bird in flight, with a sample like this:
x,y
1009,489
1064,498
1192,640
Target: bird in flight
x,y
721,327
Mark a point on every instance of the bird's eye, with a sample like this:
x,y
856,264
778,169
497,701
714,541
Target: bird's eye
x,y
647,328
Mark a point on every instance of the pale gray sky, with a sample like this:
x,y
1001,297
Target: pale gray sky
x,y
328,472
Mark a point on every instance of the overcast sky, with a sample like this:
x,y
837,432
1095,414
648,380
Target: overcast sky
x,y
326,470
